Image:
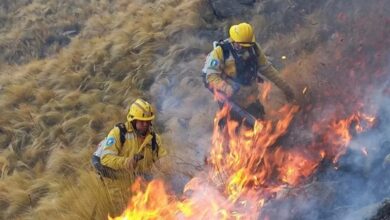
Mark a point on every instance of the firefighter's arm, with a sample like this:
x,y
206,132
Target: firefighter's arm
x,y
269,71
111,151
213,69
162,151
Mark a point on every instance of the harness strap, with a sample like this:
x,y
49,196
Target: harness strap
x,y
247,69
122,132
154,143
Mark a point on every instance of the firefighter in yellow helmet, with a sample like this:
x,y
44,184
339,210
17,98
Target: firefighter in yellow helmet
x,y
236,65
131,147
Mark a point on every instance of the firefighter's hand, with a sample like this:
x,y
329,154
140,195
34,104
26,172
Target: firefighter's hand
x,y
231,88
227,89
138,157
131,163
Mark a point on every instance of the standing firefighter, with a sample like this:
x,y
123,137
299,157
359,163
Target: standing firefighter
x,y
131,148
234,67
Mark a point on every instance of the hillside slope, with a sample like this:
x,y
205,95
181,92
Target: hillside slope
x,y
69,70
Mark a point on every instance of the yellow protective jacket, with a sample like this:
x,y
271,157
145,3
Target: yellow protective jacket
x,y
114,154
217,69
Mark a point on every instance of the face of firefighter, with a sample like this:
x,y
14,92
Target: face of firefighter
x,y
237,46
142,127
240,50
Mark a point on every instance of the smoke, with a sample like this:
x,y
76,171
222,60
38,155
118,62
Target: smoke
x,y
356,79
353,188
373,167
186,109
341,57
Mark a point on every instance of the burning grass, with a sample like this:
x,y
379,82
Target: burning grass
x,y
247,168
83,62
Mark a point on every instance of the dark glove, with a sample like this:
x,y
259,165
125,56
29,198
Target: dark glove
x,y
138,157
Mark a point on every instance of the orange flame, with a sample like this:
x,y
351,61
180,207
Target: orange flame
x,y
265,91
340,133
248,167
152,203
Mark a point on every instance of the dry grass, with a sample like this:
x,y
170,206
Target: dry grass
x,y
61,91
56,109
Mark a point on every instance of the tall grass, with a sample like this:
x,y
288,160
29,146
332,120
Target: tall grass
x,y
68,73
70,69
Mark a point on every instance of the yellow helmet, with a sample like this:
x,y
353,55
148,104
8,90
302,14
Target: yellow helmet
x,y
140,110
243,34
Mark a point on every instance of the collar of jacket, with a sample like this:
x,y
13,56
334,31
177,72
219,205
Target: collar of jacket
x,y
147,139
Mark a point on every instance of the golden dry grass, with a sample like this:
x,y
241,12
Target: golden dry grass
x,y
59,100
62,101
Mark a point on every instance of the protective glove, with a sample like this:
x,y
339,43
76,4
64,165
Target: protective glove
x,y
228,88
131,163
138,157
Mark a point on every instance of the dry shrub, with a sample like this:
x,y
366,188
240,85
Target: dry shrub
x,y
73,99
63,162
20,204
4,166
34,67
97,121
84,198
35,153
16,198
72,127
97,25
69,101
68,81
20,93
87,100
37,190
45,27
5,137
49,119
43,96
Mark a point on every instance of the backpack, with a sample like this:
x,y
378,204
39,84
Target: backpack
x,y
107,171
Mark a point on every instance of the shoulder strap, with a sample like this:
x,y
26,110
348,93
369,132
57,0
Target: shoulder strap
x,y
256,49
229,48
123,131
154,143
225,48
